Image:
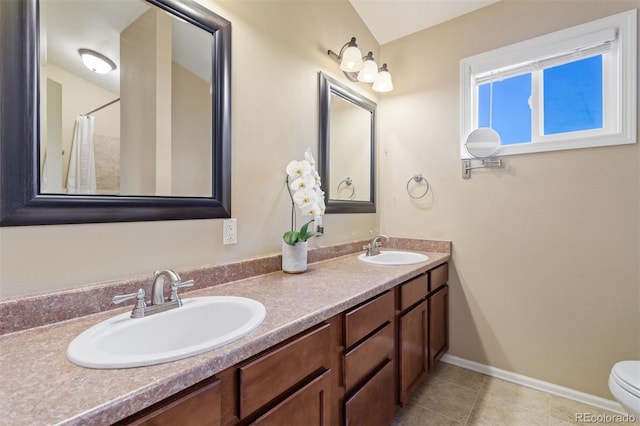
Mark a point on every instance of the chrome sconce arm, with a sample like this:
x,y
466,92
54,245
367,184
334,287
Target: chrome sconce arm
x,y
467,165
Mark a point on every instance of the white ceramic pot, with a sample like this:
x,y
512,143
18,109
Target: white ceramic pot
x,y
294,258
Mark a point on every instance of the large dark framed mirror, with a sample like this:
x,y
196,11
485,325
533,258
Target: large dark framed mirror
x,y
347,148
167,114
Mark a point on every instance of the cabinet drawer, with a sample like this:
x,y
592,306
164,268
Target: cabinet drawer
x,y
374,403
198,405
439,276
413,291
366,318
308,406
364,358
271,374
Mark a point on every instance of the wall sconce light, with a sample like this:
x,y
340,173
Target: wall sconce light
x,y
362,68
96,62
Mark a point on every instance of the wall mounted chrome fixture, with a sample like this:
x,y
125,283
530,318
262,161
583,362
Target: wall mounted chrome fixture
x,y
417,178
362,68
485,163
96,62
482,144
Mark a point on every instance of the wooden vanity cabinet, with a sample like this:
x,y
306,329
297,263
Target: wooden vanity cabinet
x,y
356,368
423,328
369,376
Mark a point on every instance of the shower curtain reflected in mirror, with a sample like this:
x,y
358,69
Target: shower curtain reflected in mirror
x,y
81,178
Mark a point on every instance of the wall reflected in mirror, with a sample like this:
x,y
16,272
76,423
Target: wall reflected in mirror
x,y
347,148
144,128
350,160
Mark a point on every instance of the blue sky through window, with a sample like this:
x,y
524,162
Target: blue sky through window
x,y
511,111
573,96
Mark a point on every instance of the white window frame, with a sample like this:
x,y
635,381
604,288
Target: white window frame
x,y
619,84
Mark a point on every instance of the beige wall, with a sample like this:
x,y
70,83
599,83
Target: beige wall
x,y
546,276
278,49
350,136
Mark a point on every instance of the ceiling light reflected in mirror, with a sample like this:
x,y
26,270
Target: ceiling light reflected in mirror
x,y
96,62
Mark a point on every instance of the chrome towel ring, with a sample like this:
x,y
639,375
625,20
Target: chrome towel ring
x,y
418,178
349,184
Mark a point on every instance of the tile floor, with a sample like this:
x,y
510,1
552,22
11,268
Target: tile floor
x,y
455,396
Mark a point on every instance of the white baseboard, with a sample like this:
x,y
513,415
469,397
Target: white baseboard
x,y
540,385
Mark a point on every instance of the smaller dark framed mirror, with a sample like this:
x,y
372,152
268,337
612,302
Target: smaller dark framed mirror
x,y
347,148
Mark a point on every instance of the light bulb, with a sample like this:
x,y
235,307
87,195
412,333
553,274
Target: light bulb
x,y
351,57
369,70
383,82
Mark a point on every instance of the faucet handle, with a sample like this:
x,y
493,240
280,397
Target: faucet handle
x,y
175,286
138,309
124,297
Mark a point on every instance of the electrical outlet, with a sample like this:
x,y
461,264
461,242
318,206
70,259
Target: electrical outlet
x,y
230,231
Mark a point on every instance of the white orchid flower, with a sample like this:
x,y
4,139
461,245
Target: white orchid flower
x,y
296,169
304,197
303,182
304,188
311,209
309,157
320,198
316,176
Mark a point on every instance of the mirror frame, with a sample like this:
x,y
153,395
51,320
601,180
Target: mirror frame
x,y
20,200
328,87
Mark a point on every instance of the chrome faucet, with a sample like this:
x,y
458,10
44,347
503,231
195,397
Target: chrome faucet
x,y
158,304
373,248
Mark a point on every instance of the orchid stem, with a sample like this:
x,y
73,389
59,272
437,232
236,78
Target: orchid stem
x,y
293,206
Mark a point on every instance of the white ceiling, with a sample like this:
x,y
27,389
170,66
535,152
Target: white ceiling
x,y
97,24
389,20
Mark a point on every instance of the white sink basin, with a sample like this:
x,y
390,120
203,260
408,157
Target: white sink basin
x,y
393,257
202,324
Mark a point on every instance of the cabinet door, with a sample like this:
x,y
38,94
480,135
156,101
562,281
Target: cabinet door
x,y
413,343
438,325
308,406
374,403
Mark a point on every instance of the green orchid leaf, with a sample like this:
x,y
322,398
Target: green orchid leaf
x,y
305,234
303,229
291,237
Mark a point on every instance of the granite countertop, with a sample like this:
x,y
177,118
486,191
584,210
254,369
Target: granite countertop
x,y
39,386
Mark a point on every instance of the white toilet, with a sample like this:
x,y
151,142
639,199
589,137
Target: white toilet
x,y
624,384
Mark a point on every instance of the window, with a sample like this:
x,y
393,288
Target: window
x,y
575,88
